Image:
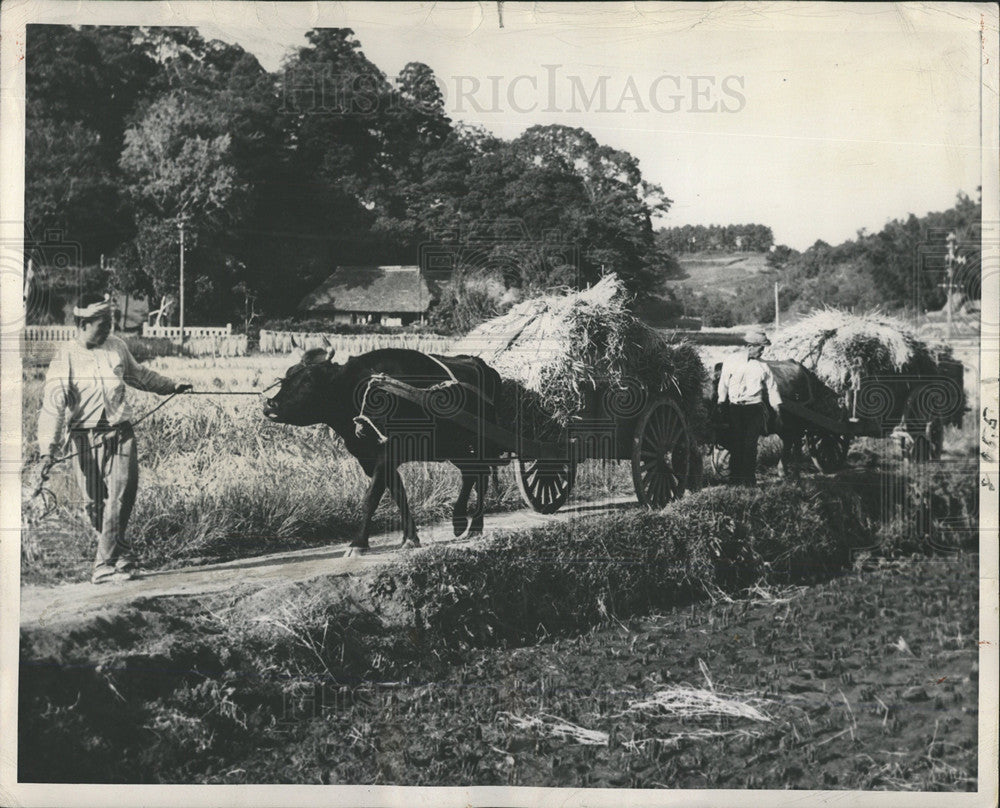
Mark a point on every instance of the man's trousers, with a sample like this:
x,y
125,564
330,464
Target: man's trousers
x,y
749,422
107,471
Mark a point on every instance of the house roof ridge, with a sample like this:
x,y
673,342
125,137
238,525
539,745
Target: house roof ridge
x,y
372,288
384,267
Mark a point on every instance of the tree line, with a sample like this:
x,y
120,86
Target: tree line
x,y
696,238
904,268
279,177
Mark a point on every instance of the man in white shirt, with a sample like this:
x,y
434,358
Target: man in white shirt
x,y
748,387
84,406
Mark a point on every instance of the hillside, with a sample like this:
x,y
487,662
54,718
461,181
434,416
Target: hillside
x,y
723,288
723,272
903,267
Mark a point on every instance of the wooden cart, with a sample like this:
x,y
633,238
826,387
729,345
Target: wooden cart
x,y
651,431
910,409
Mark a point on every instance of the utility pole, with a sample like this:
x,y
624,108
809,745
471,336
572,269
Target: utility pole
x,y
114,305
29,277
950,261
777,311
180,226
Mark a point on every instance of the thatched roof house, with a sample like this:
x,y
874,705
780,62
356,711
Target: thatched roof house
x,y
390,295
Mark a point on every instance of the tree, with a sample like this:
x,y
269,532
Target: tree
x,y
779,256
281,177
82,85
178,165
568,189
334,168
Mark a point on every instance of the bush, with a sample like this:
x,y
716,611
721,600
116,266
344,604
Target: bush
x,y
936,511
522,585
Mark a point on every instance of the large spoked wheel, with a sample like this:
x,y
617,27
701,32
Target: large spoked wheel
x,y
545,485
827,452
662,453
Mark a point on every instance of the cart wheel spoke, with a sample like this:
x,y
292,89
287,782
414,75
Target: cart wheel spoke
x,y
544,484
658,430
662,491
661,453
651,482
674,438
668,430
674,483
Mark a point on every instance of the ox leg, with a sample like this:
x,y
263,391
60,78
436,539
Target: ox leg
x,y
372,498
791,456
784,463
482,479
458,521
395,484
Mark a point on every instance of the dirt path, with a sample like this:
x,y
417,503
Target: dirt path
x,y
48,606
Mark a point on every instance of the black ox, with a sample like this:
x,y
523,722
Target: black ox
x,y
383,430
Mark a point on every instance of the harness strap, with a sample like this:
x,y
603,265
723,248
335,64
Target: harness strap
x,y
361,419
444,367
456,380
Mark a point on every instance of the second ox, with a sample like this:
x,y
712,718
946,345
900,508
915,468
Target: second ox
x,y
796,385
383,430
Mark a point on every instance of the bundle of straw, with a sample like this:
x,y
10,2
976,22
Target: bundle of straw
x,y
557,350
842,348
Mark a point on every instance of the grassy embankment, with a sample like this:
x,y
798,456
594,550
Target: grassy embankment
x,y
226,690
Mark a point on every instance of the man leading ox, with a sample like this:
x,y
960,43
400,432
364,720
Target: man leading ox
x,y
84,406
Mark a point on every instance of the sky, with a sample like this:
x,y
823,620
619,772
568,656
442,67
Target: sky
x,y
815,119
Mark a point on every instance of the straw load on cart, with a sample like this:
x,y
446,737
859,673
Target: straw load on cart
x,y
555,353
843,348
582,378
890,381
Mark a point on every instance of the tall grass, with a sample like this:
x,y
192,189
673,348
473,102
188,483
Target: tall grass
x,y
217,480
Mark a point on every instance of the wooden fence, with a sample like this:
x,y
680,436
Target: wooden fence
x,y
49,333
202,340
348,345
199,340
190,332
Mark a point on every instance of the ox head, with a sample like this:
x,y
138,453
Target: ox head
x,y
304,394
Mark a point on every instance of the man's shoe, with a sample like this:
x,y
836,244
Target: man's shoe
x,y
106,575
126,565
103,575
